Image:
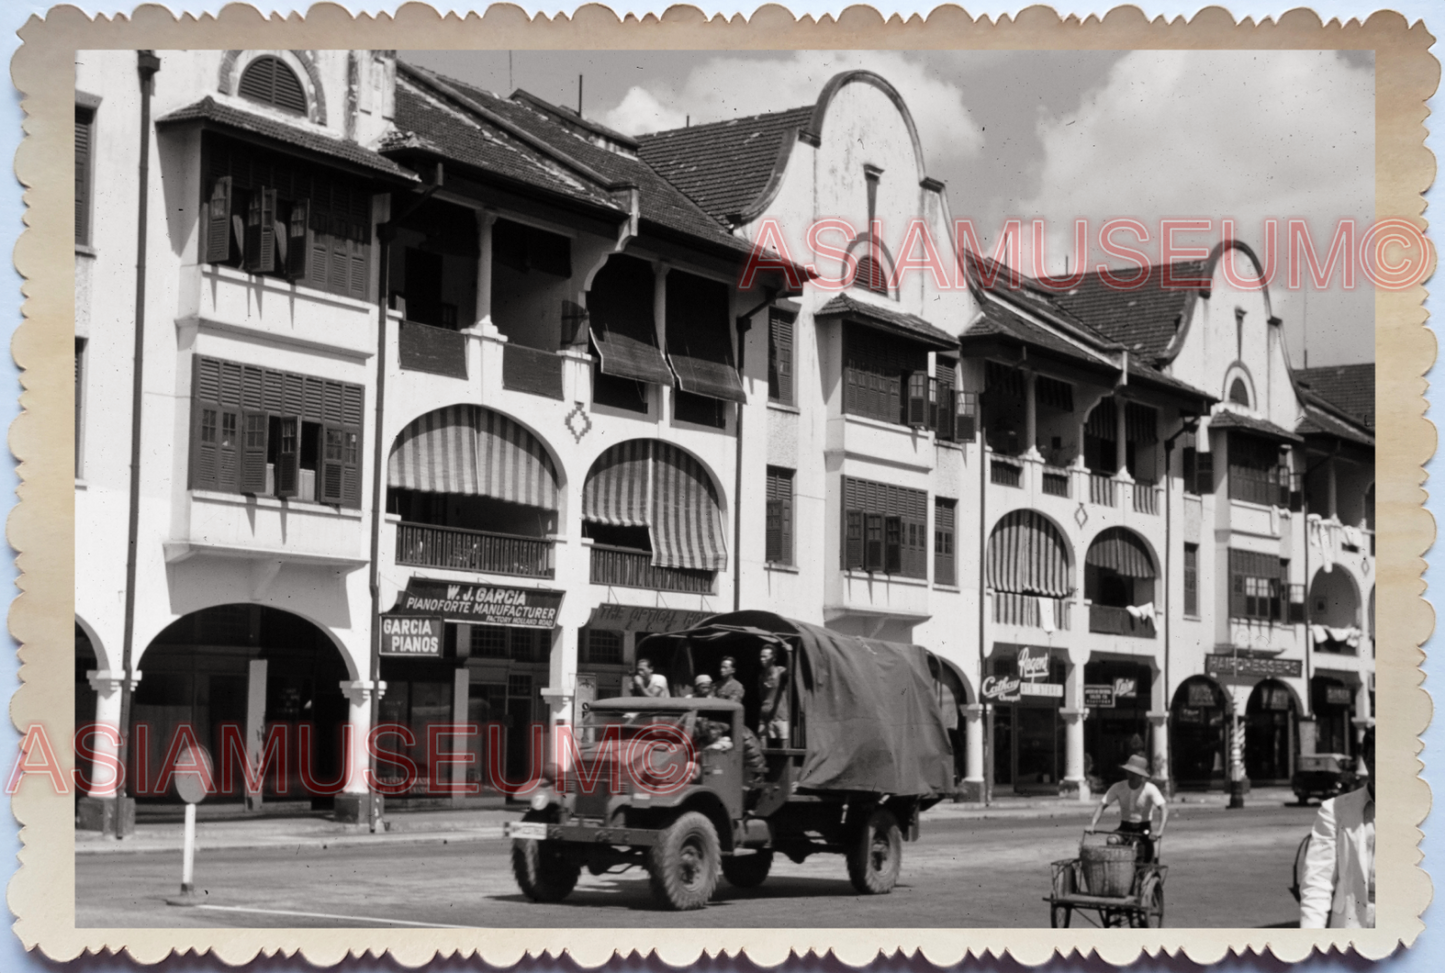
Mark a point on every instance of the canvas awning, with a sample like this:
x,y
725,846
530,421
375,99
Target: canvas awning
x,y
699,338
1121,551
1027,554
628,349
647,483
465,449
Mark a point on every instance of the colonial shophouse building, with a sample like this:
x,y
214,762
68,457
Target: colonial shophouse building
x,y
439,400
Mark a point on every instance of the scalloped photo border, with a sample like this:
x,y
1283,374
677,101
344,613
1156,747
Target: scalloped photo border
x,y
41,526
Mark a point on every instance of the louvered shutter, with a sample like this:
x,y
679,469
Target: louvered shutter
x,y
873,542
351,467
218,222
332,472
318,263
947,408
893,539
1236,583
1204,473
84,121
261,232
357,257
228,448
254,427
288,456
299,240
965,419
780,358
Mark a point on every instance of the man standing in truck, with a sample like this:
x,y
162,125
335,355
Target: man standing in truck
x,y
730,688
773,691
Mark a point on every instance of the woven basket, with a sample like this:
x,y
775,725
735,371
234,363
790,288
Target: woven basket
x,y
1108,869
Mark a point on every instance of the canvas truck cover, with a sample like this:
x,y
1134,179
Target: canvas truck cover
x,y
869,709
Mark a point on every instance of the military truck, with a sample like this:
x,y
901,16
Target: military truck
x,y
867,752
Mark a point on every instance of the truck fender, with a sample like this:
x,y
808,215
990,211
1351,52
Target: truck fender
x,y
709,804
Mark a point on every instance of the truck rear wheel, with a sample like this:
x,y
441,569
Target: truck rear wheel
x,y
747,871
542,870
876,855
684,863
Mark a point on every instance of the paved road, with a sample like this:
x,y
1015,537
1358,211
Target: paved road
x,y
1227,869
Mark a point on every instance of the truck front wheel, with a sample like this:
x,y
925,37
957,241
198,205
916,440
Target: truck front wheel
x,y
747,871
684,863
542,870
876,855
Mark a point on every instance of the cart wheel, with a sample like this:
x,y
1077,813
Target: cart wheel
x,y
1151,901
1060,916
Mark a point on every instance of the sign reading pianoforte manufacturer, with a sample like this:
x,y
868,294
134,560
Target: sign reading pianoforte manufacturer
x,y
411,635
481,604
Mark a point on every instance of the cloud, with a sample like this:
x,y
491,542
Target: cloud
x,y
1210,134
720,88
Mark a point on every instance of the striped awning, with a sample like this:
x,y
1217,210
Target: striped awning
x,y
647,483
1027,554
465,449
1121,551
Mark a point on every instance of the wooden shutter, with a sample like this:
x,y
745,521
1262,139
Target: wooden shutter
x,y
893,528
357,267
331,472
228,447
780,358
261,232
218,222
965,416
873,553
299,240
288,456
351,467
84,122
254,434
318,266
1282,477
853,539
1204,473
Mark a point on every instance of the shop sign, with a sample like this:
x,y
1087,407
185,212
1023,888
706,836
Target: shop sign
x,y
1001,689
481,604
1230,665
1028,683
1126,687
1202,695
1276,698
1099,696
639,618
1338,695
411,635
1032,663
1191,714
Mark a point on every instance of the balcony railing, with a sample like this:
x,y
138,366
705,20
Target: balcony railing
x,y
458,549
531,370
1112,620
424,348
1146,499
1101,489
1010,608
1056,483
628,568
1005,473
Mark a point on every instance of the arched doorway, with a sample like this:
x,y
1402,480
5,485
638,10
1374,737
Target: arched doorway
x,y
86,661
237,670
1271,731
953,692
1198,734
1332,700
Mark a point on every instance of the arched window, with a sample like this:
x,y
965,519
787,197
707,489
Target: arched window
x,y
870,276
1239,393
269,81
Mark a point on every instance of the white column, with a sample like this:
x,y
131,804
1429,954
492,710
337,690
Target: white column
x,y
1031,416
1121,451
255,725
359,693
1333,486
1159,747
973,779
1073,714
659,318
461,692
106,684
485,219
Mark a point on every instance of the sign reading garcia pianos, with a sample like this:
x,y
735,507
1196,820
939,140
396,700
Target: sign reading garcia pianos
x,y
480,604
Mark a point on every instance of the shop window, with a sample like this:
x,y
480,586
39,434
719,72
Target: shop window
x,y
269,81
885,528
779,546
490,642
780,356
600,647
944,512
269,433
273,215
84,144
1191,579
519,686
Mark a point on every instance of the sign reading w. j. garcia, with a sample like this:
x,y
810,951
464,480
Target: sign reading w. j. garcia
x,y
480,604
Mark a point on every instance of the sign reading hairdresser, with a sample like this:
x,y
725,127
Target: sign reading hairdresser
x,y
481,604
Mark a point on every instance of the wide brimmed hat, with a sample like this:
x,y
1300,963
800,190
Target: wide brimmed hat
x,y
1136,765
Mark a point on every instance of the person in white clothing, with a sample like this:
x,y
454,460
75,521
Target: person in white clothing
x,y
1338,887
648,683
1137,798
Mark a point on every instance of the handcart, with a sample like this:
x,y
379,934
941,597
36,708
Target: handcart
x,y
1108,878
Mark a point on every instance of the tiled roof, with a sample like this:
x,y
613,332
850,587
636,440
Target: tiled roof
x,y
1263,427
1149,375
998,319
661,203
724,166
1318,421
1349,388
210,110
899,321
425,121
1144,319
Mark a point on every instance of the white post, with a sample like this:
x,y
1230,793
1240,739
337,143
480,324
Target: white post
x,y
485,220
973,781
359,693
1073,712
255,726
188,852
1121,448
106,684
1031,416
1159,723
461,691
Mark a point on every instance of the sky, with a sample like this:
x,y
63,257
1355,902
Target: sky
x,y
1057,136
